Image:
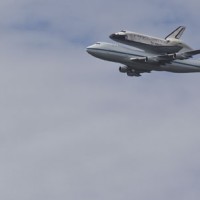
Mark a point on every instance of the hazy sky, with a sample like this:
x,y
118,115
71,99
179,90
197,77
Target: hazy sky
x,y
72,127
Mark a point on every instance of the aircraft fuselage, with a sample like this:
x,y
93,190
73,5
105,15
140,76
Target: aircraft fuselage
x,y
123,55
150,44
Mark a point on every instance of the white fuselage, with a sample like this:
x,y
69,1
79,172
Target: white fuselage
x,y
123,55
150,44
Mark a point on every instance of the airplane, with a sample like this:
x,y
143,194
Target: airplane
x,y
171,43
137,61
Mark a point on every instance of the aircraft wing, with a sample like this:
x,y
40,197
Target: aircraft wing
x,y
189,54
167,58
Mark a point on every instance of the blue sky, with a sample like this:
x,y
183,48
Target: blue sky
x,y
72,126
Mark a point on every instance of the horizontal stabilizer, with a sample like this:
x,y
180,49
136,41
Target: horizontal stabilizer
x,y
177,33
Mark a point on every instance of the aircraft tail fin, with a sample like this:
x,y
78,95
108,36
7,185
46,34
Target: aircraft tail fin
x,y
177,33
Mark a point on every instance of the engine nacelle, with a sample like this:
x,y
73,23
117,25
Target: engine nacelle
x,y
133,73
151,59
142,59
130,72
123,69
178,56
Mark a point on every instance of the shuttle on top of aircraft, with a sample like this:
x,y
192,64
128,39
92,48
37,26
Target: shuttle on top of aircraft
x,y
169,54
171,43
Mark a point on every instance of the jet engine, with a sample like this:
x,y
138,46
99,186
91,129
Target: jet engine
x,y
132,72
150,59
178,56
123,69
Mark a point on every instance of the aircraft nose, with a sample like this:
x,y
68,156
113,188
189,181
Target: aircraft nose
x,y
94,48
89,49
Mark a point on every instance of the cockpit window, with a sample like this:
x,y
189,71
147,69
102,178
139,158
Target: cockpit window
x,y
97,43
123,31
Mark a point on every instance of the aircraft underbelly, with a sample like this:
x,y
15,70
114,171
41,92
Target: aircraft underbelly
x,y
171,67
179,68
124,59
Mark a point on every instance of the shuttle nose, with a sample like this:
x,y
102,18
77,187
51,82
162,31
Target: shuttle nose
x,y
112,36
118,36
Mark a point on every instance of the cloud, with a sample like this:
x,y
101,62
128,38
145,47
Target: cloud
x,y
73,127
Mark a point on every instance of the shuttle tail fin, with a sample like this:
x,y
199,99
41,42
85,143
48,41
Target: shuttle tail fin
x,y
177,33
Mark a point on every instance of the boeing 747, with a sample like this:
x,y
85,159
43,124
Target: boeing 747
x,y
150,57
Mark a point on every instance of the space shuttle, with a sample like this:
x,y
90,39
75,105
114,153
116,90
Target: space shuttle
x,y
170,44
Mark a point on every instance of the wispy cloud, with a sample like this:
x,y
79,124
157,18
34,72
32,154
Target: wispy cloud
x,y
73,127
